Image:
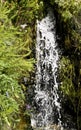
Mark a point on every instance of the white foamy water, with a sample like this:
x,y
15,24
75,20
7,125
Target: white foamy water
x,y
46,87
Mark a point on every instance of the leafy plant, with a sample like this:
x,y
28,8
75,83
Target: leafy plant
x,y
13,66
67,8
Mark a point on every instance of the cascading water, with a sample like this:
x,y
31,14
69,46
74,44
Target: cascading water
x,y
46,88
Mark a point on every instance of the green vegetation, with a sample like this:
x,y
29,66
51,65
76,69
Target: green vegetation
x,y
68,8
13,66
17,45
16,59
17,41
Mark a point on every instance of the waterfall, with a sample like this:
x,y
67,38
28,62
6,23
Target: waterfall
x,y
46,88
